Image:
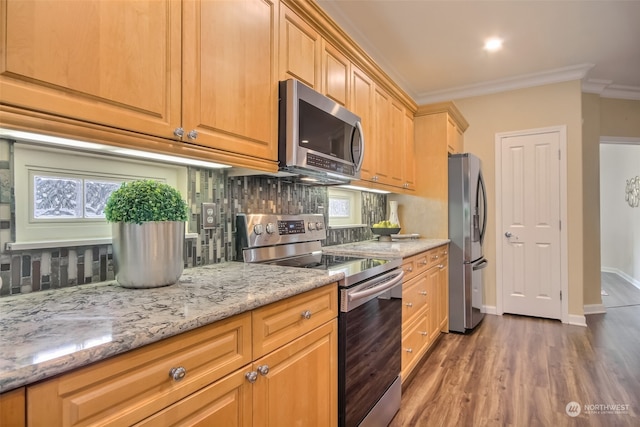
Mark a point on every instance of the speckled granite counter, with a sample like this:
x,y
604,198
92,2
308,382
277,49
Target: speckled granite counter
x,y
47,333
373,248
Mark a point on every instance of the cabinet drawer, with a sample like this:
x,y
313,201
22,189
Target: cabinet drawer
x,y
415,338
409,268
279,323
414,297
226,402
128,388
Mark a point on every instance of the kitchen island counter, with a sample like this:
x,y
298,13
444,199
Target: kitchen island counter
x,y
47,333
402,248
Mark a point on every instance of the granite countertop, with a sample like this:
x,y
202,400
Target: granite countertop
x,y
47,333
402,248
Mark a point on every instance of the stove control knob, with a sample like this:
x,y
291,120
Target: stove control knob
x,y
271,228
319,225
312,226
258,229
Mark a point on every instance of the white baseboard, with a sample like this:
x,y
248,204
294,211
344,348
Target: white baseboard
x,y
489,309
594,309
577,320
635,282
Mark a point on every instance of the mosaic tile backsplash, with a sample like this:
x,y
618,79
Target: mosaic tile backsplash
x,y
31,271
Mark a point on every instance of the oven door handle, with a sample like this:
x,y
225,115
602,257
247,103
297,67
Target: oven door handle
x,y
377,289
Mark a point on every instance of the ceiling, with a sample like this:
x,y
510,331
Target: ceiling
x,y
434,49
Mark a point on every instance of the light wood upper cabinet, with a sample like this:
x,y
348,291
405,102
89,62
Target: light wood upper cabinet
x,y
397,143
362,105
380,143
455,138
409,163
80,60
336,71
230,91
300,47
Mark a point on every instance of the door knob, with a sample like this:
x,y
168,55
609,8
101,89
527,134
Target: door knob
x,y
508,234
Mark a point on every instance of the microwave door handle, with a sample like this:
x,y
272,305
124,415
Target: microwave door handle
x,y
359,127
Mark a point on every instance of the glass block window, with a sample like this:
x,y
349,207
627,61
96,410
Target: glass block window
x,y
345,207
96,194
57,197
339,207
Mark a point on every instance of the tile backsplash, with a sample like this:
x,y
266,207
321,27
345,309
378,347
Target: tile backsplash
x,y
35,270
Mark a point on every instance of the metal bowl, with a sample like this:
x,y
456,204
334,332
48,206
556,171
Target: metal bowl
x,y
385,233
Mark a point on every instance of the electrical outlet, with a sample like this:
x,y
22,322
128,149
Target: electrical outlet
x,y
207,212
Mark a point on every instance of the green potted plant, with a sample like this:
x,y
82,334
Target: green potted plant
x,y
148,220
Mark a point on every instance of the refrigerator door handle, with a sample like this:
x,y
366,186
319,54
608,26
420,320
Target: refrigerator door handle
x,y
482,264
484,205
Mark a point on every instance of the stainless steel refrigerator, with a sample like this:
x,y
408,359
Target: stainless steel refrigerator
x,y
467,227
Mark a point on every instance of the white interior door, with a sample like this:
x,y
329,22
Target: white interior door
x,y
530,224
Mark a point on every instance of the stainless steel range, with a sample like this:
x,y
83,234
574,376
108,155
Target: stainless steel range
x,y
369,323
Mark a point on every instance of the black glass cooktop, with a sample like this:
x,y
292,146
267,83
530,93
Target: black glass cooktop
x,y
352,267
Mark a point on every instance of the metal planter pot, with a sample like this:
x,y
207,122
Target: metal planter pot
x,y
148,255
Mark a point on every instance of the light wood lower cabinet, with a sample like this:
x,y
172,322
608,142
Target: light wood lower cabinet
x,y
12,404
210,376
425,299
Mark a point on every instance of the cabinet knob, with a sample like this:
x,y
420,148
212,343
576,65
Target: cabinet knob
x,y
178,373
423,262
409,304
408,350
435,257
423,293
263,369
441,266
423,333
408,269
306,314
179,132
251,376
193,134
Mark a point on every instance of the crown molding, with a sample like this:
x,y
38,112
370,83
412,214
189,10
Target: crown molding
x,y
558,75
606,89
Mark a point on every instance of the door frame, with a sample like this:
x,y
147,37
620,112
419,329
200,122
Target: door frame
x,y
564,260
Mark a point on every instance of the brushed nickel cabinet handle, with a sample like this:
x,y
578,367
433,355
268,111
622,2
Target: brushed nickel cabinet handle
x,y
178,373
263,369
251,376
179,132
306,314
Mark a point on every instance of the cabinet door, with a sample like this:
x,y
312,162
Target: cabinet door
x,y
12,408
397,142
300,47
409,172
433,278
224,403
362,105
443,305
380,144
336,70
301,386
115,63
230,91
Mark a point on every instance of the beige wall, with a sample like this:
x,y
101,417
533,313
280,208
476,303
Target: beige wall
x,y
591,198
619,117
543,106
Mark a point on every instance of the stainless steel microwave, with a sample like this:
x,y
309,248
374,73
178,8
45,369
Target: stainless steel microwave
x,y
318,138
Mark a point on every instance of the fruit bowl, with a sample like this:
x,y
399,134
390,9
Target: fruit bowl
x,y
385,233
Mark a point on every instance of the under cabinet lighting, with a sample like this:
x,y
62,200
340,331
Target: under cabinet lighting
x,y
103,148
371,190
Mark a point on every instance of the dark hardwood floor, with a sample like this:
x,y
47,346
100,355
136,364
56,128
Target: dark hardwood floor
x,y
521,371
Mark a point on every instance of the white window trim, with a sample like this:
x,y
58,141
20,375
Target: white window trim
x,y
28,158
355,218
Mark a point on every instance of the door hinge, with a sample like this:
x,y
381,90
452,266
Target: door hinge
x,y
560,295
560,224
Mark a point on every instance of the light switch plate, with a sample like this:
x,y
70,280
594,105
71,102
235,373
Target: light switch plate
x,y
208,218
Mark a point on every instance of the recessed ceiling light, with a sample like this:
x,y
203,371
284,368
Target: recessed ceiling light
x,y
493,44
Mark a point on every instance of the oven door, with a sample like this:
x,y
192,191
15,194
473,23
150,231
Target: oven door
x,y
369,348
